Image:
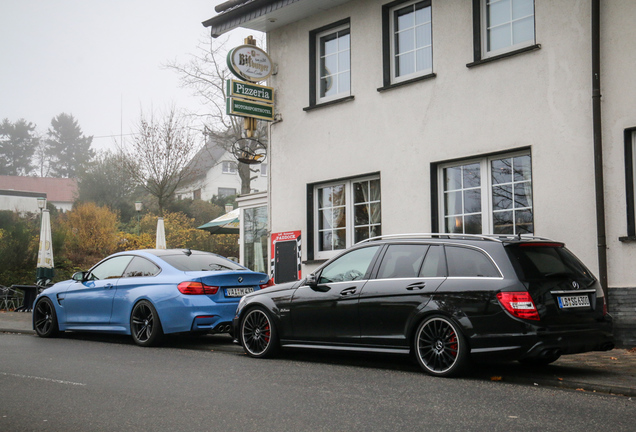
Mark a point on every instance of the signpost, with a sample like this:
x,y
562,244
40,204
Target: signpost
x,y
248,99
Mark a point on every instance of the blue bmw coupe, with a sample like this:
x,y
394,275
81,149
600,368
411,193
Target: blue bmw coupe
x,y
146,294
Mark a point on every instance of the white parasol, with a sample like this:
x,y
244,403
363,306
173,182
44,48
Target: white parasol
x,y
161,235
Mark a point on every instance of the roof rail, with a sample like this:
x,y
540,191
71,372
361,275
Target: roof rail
x,y
490,237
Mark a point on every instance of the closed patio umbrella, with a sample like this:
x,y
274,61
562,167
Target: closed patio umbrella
x,y
161,234
44,272
225,224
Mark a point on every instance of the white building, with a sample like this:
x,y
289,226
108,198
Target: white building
x,y
454,115
217,174
20,193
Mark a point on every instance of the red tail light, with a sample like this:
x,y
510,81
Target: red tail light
x,y
269,283
196,288
519,304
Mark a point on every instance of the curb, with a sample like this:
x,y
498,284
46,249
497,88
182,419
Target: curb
x,y
586,387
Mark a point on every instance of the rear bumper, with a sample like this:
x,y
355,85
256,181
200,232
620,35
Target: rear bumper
x,y
544,343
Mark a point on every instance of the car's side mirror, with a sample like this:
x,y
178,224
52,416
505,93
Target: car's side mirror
x,y
311,281
79,276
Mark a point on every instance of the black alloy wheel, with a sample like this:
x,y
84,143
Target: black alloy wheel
x,y
145,326
45,319
258,334
440,347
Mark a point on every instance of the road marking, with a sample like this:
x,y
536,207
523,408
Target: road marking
x,y
43,379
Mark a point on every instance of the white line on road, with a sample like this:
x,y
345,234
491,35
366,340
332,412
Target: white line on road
x,y
42,379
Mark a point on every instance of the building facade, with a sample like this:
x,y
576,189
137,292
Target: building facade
x,y
482,116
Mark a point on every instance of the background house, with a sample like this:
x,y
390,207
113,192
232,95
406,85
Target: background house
x,y
217,175
454,116
18,193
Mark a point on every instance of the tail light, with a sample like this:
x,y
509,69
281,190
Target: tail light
x,y
519,304
269,283
196,288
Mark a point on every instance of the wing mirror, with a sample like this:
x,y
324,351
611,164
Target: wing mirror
x,y
311,281
79,276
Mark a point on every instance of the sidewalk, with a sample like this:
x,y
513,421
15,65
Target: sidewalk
x,y
610,372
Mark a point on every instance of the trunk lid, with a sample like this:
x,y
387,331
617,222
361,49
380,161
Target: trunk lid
x,y
564,291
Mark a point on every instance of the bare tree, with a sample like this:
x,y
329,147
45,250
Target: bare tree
x,y
206,74
159,153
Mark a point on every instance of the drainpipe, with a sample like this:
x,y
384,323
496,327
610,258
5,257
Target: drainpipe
x,y
598,145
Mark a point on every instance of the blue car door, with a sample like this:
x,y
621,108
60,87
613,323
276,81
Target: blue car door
x,y
90,302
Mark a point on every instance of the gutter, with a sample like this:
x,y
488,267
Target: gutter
x,y
598,145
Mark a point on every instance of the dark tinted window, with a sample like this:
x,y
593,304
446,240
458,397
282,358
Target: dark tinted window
x,y
402,261
111,268
350,266
201,262
465,262
139,267
434,263
539,262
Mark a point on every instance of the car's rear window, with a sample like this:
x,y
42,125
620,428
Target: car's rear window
x,y
201,262
550,261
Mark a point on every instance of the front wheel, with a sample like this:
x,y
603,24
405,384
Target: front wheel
x,y
145,326
258,334
45,319
440,347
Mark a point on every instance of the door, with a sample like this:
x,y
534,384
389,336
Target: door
x,y
406,279
90,302
328,312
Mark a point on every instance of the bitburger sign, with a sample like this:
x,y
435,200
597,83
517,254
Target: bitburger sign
x,y
249,63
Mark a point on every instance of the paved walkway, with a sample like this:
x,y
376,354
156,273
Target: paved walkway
x,y
611,372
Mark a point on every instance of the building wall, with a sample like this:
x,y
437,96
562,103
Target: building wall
x,y
540,99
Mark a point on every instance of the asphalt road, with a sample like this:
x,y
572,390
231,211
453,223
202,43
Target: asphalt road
x,y
95,383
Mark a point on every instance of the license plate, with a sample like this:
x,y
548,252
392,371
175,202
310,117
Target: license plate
x,y
238,292
574,301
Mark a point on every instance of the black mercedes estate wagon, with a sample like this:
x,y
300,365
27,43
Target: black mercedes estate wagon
x,y
446,298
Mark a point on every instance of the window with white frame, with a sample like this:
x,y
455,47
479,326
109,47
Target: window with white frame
x,y
229,167
346,212
333,63
507,25
491,195
411,40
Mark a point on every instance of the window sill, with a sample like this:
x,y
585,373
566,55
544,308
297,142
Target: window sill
x,y
406,82
326,104
627,239
503,56
315,261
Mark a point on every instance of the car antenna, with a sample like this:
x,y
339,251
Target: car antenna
x,y
188,252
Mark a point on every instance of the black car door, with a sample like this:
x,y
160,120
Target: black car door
x,y
328,312
407,276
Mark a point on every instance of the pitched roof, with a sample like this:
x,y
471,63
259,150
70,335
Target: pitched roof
x,y
56,189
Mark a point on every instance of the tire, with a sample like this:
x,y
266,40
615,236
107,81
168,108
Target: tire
x,y
440,347
145,326
258,334
45,319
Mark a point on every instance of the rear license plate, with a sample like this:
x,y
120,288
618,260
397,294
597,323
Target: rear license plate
x,y
574,301
238,292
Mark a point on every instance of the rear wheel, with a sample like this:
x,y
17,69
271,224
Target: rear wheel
x,y
258,334
45,319
145,326
440,347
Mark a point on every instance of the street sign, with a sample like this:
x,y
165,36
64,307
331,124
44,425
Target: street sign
x,y
245,108
250,91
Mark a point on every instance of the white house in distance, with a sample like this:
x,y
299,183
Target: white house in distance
x,y
454,116
20,193
217,175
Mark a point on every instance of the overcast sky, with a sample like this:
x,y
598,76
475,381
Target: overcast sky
x,y
99,60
